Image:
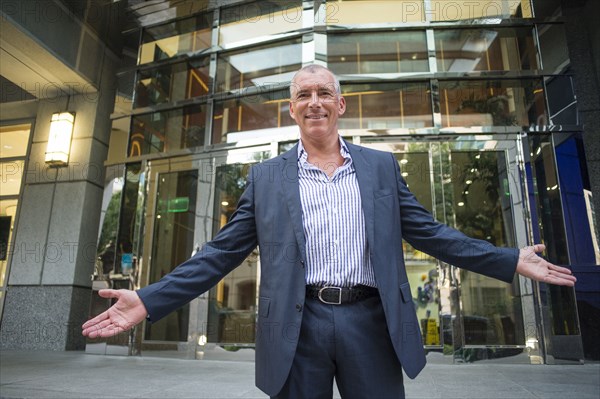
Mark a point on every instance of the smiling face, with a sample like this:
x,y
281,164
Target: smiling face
x,y
316,104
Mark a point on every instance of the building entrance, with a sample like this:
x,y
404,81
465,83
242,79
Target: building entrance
x,y
472,183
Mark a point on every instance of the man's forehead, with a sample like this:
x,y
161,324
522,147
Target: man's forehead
x,y
311,81
315,85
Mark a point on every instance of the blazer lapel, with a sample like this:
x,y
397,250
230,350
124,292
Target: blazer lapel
x,y
291,191
366,180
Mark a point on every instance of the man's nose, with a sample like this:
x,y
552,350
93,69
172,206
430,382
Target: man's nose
x,y
314,99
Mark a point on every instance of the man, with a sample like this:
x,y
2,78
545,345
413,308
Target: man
x,y
334,297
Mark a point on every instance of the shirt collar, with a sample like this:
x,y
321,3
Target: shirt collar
x,y
303,155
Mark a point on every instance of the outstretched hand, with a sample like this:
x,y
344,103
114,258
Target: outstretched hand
x,y
128,311
537,268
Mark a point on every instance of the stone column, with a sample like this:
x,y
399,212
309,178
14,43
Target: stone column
x,y
49,286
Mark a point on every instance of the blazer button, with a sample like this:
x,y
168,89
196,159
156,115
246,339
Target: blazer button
x,y
299,307
302,263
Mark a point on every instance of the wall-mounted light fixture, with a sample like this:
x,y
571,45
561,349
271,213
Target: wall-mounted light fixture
x,y
59,140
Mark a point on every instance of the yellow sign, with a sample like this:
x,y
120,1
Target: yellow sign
x,y
433,333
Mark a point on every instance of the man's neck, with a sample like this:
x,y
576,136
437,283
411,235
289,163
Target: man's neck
x,y
322,149
326,155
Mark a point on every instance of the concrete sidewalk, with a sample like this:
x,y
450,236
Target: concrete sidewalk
x,y
81,375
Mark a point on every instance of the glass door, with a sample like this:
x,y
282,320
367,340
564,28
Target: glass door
x,y
232,303
175,192
472,183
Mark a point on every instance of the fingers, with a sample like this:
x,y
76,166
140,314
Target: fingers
x,y
91,329
108,293
568,281
537,248
104,330
102,316
559,269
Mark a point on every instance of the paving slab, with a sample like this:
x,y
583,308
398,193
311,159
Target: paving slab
x,y
38,374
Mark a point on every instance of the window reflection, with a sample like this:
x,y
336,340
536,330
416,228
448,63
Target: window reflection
x,y
251,113
11,175
128,220
389,52
550,230
167,130
261,18
173,83
174,222
233,301
8,213
466,50
351,12
562,103
553,48
109,220
259,66
492,103
422,269
175,38
547,8
407,105
491,310
444,10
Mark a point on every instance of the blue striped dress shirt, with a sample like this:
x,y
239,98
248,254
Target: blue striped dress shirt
x,y
337,252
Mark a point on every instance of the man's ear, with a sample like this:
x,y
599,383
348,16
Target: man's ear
x,y
341,106
292,112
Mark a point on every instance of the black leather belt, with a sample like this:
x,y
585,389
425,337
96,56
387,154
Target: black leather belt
x,y
340,295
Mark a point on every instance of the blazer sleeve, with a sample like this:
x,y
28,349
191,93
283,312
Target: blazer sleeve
x,y
449,245
227,250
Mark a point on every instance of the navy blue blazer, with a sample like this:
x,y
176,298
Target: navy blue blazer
x,y
269,215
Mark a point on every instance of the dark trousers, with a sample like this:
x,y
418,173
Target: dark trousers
x,y
347,342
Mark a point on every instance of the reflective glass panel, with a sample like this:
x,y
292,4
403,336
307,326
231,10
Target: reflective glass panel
x,y
547,8
351,12
491,309
380,107
562,103
175,38
553,47
466,50
377,52
175,217
444,10
233,301
261,18
172,82
250,115
167,130
14,140
125,248
492,103
259,66
550,230
11,173
8,213
109,220
422,270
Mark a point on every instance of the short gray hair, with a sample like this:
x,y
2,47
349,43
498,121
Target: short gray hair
x,y
313,68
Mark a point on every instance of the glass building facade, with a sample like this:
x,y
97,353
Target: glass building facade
x,y
475,100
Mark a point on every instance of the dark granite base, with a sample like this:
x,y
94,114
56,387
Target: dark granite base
x,y
44,317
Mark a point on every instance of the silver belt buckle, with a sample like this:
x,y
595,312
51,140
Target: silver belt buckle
x,y
339,291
